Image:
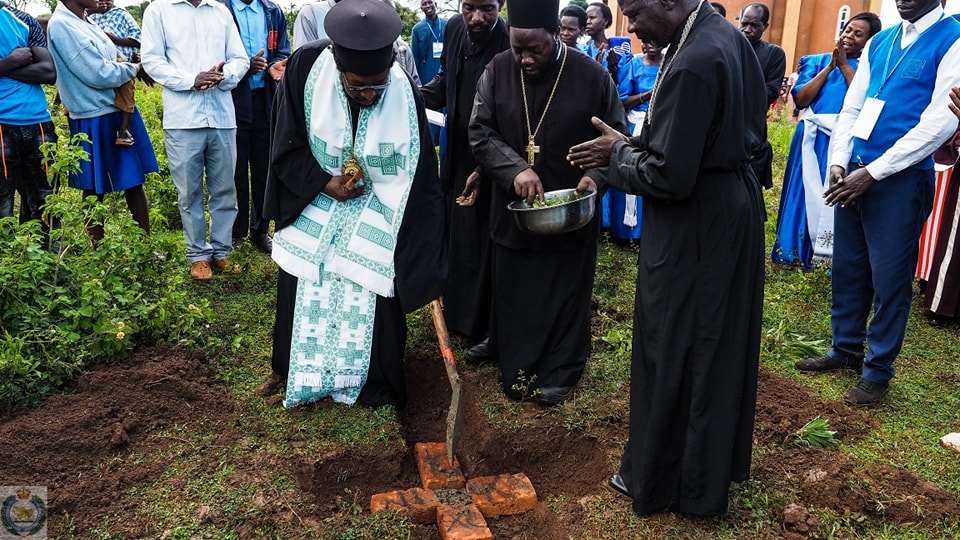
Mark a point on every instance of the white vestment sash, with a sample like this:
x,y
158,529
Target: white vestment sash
x,y
342,252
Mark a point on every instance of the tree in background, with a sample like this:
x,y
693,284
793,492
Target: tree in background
x,y
136,10
291,13
408,17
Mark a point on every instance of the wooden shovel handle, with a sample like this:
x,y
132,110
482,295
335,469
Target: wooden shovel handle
x,y
443,337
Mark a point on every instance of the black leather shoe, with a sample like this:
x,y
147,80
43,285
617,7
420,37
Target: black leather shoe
x,y
616,483
866,392
940,321
830,363
553,395
479,353
262,242
237,242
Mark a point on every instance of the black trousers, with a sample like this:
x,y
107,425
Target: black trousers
x,y
253,154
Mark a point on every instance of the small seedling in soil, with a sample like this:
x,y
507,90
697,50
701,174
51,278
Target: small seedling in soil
x,y
523,385
815,433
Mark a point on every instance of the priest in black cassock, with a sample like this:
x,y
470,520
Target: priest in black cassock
x,y
470,41
533,103
353,257
696,329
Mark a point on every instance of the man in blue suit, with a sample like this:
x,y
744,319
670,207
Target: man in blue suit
x,y
426,43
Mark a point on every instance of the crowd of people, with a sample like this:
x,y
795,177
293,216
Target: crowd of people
x,y
332,141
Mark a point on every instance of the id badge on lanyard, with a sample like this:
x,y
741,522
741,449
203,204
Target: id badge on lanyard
x,y
867,119
873,106
437,49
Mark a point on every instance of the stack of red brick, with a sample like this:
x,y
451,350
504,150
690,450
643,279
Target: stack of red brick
x,y
490,496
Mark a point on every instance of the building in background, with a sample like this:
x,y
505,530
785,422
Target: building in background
x,y
800,27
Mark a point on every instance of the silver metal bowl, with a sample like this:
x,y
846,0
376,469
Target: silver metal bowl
x,y
556,219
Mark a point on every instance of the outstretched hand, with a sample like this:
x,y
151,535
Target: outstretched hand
x,y
471,190
596,153
277,69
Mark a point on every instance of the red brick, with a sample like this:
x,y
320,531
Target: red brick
x,y
503,494
435,469
464,523
417,503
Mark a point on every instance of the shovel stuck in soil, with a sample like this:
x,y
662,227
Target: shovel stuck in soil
x,y
454,415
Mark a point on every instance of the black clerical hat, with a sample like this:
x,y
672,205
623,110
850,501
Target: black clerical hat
x,y
363,33
533,14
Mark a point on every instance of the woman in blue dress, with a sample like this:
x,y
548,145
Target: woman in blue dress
x,y
599,18
804,223
635,89
598,47
87,74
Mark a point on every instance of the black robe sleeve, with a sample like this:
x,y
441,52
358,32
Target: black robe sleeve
x,y
435,92
667,167
774,63
420,256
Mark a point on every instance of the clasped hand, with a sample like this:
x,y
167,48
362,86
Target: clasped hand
x,y
208,79
258,63
845,190
20,57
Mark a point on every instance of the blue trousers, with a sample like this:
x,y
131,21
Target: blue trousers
x,y
875,250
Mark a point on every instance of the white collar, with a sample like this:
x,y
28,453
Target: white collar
x,y
928,20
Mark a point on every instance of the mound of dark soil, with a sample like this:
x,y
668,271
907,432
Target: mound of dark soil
x,y
74,442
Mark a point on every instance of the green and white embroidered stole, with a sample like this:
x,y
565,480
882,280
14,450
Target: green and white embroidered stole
x,y
342,252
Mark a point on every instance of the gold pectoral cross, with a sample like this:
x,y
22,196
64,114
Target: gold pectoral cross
x,y
532,151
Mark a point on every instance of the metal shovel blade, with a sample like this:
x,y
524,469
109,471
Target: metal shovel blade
x,y
455,414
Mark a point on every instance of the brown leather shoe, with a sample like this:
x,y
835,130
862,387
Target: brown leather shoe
x,y
274,385
201,271
224,265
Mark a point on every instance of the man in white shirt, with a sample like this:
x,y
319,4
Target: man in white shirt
x,y
309,23
193,49
882,184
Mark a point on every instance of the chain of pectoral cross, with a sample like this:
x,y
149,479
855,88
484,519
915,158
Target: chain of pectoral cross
x,y
532,148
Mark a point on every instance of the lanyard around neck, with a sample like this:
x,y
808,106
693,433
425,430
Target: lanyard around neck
x,y
896,43
436,37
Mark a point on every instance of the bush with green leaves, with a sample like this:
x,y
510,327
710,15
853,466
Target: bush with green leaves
x,y
70,308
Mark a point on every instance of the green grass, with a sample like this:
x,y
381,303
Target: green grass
x,y
200,470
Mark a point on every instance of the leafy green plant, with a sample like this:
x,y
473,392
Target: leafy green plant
x,y
74,306
524,386
814,433
620,338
